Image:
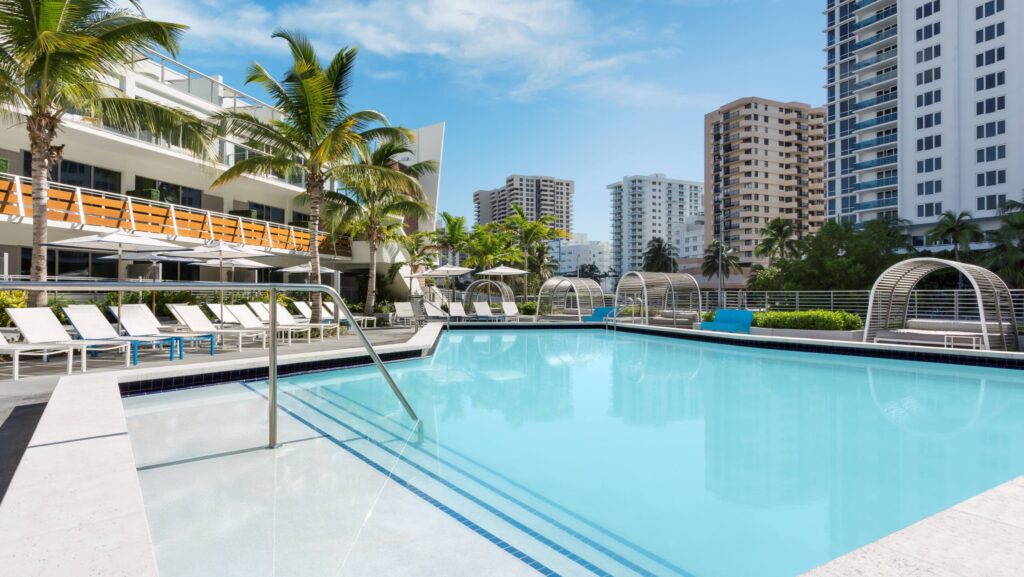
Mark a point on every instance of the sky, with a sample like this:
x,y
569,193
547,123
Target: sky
x,y
587,90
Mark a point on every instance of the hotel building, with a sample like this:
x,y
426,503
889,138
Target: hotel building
x,y
537,195
924,109
111,180
644,207
763,160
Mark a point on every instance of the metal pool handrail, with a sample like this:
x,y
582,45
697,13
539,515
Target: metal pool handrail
x,y
272,288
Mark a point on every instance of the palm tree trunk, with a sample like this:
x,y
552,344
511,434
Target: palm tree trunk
x,y
315,193
371,283
40,145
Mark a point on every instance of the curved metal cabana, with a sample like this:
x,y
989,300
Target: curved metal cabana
x,y
891,294
485,288
668,295
570,295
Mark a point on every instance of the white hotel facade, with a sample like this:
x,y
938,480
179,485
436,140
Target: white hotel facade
x,y
653,205
110,180
925,109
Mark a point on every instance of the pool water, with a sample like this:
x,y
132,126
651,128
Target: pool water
x,y
593,452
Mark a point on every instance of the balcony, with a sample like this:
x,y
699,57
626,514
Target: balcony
x,y
889,181
875,204
863,4
886,160
870,102
874,80
84,207
875,19
872,40
877,121
873,60
881,141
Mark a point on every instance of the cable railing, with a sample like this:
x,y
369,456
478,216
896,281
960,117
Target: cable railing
x,y
273,289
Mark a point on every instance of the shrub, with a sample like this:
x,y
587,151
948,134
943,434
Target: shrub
x,y
809,320
11,300
708,317
383,307
528,308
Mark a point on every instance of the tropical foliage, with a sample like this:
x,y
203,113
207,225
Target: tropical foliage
x,y
659,256
55,59
957,229
777,241
452,237
729,259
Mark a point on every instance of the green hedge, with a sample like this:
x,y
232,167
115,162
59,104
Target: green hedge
x,y
528,308
804,320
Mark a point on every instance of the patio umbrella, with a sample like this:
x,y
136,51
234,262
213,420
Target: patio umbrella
x,y
504,271
305,269
219,251
117,242
446,272
152,258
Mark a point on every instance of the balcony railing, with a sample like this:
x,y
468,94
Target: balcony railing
x,y
887,139
875,204
889,181
86,207
891,159
890,11
864,63
876,121
861,105
877,79
883,35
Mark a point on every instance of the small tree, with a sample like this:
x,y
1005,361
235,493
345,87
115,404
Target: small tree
x,y
659,256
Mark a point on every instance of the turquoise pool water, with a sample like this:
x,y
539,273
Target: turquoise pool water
x,y
615,453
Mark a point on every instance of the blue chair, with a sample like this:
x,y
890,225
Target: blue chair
x,y
730,321
601,314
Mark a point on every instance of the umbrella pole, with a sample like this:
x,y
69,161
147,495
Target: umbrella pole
x,y
120,253
221,269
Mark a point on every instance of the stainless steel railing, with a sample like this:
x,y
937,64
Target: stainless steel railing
x,y
272,288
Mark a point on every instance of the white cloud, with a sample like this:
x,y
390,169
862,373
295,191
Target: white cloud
x,y
517,48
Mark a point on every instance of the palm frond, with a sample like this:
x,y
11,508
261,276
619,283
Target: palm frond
x,y
171,125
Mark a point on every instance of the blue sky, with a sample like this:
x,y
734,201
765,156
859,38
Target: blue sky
x,y
587,90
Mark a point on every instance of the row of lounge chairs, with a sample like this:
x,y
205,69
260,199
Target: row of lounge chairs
x,y
45,336
405,314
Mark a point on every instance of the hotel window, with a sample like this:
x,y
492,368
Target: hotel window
x,y
991,202
928,31
990,32
927,9
929,209
990,57
929,142
991,178
266,212
989,8
929,98
929,187
172,193
78,174
929,120
991,105
930,75
929,53
991,153
990,81
929,165
991,129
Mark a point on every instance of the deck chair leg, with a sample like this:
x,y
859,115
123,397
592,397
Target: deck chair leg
x,y
84,354
17,364
71,362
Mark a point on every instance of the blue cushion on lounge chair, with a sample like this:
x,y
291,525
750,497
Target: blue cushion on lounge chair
x,y
600,314
730,321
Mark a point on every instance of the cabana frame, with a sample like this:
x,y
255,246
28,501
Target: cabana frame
x,y
485,287
662,291
588,293
890,300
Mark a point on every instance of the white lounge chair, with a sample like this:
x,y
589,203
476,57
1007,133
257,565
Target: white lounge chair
x,y
138,321
261,310
404,314
194,318
248,320
363,320
510,310
39,326
221,314
483,311
285,317
434,311
456,312
18,350
90,324
306,310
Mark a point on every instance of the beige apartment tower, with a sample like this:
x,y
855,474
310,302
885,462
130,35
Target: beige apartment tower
x,y
537,195
762,160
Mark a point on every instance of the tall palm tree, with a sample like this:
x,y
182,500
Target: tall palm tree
x,y
452,237
720,254
957,228
420,250
55,57
659,256
318,135
488,247
531,238
777,241
378,194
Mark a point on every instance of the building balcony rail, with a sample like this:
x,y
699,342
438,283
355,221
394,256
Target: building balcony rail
x,y
888,181
874,19
891,159
862,104
876,121
86,207
863,4
882,140
877,79
861,64
875,204
871,40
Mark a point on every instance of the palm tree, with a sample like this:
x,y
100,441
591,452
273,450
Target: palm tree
x,y
659,256
955,227
531,238
55,58
378,194
420,250
720,255
488,247
452,237
777,241
318,134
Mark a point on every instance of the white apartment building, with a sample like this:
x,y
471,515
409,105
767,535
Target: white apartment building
x,y
537,195
110,180
579,250
648,206
690,238
924,109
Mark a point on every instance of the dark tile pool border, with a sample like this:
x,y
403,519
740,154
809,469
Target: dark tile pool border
x,y
833,349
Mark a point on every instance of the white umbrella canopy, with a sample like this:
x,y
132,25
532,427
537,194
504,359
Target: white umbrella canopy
x,y
445,271
502,271
233,263
222,250
149,257
305,269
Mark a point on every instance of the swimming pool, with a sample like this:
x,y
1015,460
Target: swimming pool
x,y
592,452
